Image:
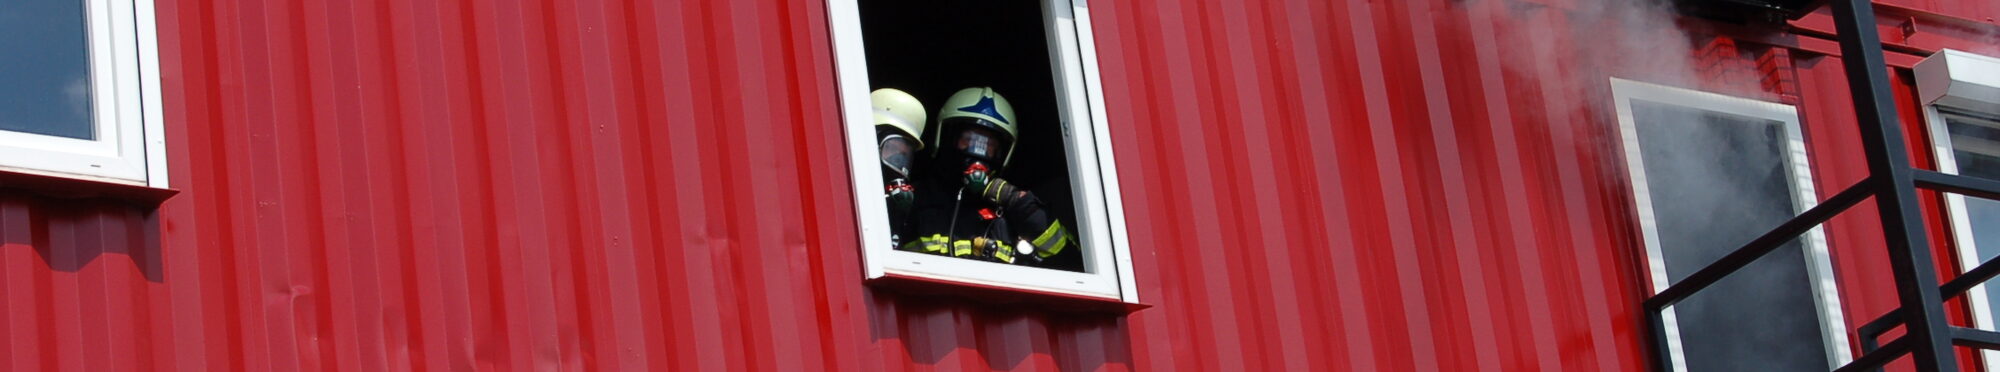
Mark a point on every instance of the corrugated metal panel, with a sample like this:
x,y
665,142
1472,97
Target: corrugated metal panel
x,y
643,185
446,185
1364,186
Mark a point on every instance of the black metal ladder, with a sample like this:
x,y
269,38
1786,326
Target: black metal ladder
x,y
1929,337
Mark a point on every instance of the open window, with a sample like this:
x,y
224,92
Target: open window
x,y
1007,90
1710,173
81,91
1961,95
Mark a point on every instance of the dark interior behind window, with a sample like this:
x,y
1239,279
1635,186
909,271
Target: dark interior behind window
x,y
933,48
1717,181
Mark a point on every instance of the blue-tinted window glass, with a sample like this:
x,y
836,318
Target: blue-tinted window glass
x,y
1976,145
45,68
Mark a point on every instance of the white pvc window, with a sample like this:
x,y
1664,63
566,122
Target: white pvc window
x,y
1710,173
1078,112
1961,95
79,91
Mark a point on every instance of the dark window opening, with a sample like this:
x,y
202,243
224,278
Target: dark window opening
x,y
932,49
1717,181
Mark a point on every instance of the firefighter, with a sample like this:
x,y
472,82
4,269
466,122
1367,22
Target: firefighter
x,y
899,126
989,218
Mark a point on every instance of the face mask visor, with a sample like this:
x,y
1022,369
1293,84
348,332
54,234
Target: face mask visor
x,y
981,143
898,152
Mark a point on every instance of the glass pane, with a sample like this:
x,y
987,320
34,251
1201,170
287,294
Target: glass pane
x,y
1976,145
1717,181
45,68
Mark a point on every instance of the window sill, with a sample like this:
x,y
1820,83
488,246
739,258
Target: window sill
x,y
987,293
67,187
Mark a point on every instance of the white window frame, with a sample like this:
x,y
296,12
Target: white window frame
x,y
129,146
1964,82
1080,100
1819,265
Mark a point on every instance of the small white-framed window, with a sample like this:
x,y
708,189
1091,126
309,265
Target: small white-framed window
x,y
81,97
1961,96
1709,173
974,80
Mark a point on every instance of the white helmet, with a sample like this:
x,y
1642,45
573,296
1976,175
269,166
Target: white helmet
x,y
899,111
979,107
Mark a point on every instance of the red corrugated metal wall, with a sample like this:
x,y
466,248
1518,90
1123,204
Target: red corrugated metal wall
x,y
632,185
1402,199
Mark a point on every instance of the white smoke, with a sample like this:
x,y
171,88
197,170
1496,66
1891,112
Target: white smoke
x,y
1645,42
1568,59
1991,43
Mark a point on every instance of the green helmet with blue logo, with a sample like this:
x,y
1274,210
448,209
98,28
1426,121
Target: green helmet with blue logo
x,y
977,110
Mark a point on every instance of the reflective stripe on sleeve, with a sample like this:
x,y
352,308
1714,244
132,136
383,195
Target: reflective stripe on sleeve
x,y
1052,241
1054,249
1055,229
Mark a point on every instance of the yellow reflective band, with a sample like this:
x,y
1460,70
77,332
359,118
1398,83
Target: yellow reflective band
x,y
934,244
1061,242
961,248
1004,254
1055,229
992,191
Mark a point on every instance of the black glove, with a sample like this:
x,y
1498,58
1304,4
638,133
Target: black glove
x,y
997,191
